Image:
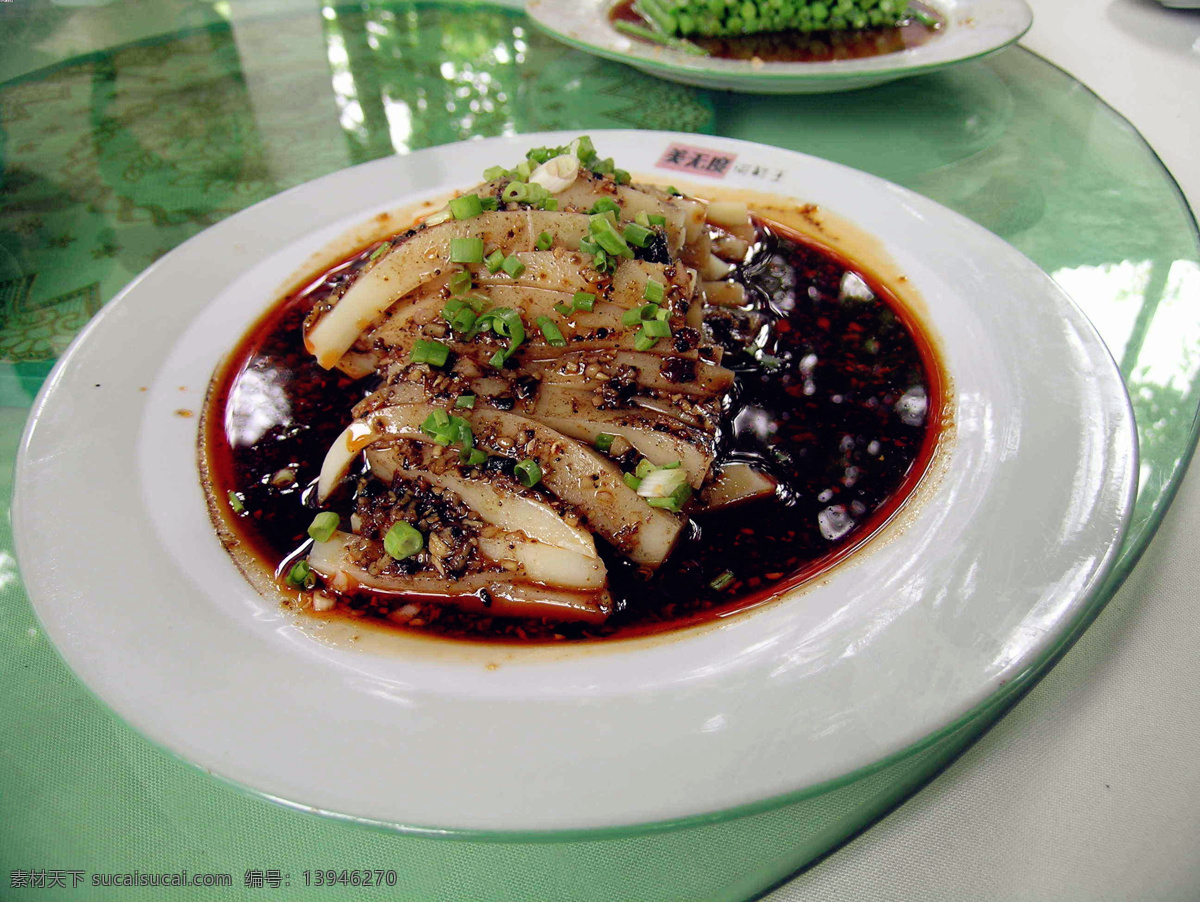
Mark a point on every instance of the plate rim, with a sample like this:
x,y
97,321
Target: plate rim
x,y
1085,606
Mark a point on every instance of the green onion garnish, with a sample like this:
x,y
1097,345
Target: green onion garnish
x,y
506,323
607,236
673,191
466,250
550,204
644,469
301,576
528,473
489,203
551,332
515,192
494,172
621,176
466,206
642,219
654,291
513,266
675,501
635,315
402,541
460,282
637,235
604,441
657,219
564,309
472,458
656,329
465,402
322,527
524,169
494,261
583,301
721,581
380,251
235,503
604,205
632,481
643,342
544,241
433,353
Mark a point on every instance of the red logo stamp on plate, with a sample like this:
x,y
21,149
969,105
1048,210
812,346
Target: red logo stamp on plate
x,y
696,160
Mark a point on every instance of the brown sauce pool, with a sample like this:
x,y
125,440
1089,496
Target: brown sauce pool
x,y
841,404
809,47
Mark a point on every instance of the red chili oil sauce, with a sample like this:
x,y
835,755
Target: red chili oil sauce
x,y
841,403
809,47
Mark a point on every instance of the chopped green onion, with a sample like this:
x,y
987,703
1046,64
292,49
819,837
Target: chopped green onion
x,y
402,541
607,236
657,219
544,241
583,301
657,329
675,501
632,481
637,315
494,172
460,282
721,581
433,353
552,333
446,429
644,469
604,205
494,261
564,309
550,204
524,169
465,401
301,576
489,203
604,441
235,503
323,525
472,458
654,291
603,167
515,192
506,323
621,176
466,250
380,251
528,473
673,191
637,235
643,342
513,266
466,207
642,219
435,422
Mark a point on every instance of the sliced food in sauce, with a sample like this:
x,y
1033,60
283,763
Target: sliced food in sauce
x,y
570,406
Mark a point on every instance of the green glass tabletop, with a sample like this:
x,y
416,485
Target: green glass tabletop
x,y
181,114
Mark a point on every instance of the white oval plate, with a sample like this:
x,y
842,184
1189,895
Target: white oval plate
x,y
1004,552
974,28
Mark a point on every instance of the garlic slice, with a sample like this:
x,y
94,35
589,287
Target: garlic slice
x,y
557,173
